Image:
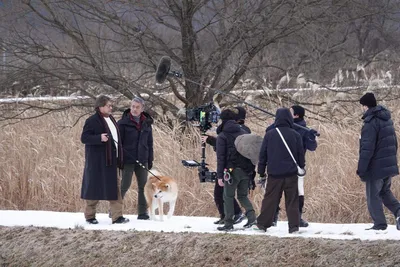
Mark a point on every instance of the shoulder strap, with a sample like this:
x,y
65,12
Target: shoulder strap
x,y
286,145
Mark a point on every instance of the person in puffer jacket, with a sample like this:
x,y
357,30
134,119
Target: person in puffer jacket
x,y
240,118
137,141
233,170
377,162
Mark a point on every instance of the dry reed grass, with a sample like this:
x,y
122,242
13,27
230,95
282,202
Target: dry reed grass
x,y
41,167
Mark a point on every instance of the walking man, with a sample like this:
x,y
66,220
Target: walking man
x,y
233,170
377,162
137,140
309,143
103,157
219,190
282,171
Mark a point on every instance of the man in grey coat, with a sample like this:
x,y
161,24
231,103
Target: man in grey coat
x,y
377,162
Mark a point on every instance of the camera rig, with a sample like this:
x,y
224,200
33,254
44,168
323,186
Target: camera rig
x,y
204,116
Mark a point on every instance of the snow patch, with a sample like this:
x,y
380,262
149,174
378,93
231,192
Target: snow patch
x,y
179,224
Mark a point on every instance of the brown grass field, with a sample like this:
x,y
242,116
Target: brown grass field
x,y
41,164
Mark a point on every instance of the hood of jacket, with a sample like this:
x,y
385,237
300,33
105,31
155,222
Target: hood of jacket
x,y
283,118
379,112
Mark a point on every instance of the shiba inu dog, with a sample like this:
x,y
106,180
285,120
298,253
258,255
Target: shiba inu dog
x,y
159,190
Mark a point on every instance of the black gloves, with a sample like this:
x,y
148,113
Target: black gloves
x,y
312,134
262,180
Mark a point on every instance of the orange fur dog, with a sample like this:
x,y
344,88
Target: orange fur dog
x,y
159,190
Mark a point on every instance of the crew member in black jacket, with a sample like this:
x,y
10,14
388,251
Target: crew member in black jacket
x,y
219,190
233,170
378,161
309,143
282,171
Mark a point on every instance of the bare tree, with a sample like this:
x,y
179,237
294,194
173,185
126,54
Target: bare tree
x,y
91,47
115,45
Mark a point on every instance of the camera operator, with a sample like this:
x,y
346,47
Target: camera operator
x,y
219,190
233,170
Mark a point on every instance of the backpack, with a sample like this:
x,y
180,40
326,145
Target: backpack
x,y
236,159
249,146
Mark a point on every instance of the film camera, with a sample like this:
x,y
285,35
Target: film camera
x,y
204,116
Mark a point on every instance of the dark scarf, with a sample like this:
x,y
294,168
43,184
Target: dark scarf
x,y
120,158
142,117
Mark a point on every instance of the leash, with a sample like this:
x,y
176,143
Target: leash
x,y
144,167
140,164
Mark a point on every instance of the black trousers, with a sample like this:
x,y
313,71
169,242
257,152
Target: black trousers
x,y
378,193
273,193
219,201
301,206
141,178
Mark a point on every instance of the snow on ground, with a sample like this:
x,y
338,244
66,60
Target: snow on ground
x,y
249,91
65,220
40,98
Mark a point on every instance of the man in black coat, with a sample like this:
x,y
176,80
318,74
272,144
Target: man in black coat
x,y
219,190
103,156
137,140
282,171
233,170
377,162
309,143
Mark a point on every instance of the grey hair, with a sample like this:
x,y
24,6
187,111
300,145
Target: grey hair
x,y
138,100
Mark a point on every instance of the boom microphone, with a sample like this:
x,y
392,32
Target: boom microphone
x,y
163,69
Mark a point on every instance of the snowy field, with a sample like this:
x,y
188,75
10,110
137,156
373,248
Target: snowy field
x,y
66,220
26,99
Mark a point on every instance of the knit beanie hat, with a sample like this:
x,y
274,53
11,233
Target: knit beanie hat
x,y
298,110
241,113
229,114
368,100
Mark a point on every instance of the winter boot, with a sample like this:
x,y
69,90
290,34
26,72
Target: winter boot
x,y
121,220
251,219
143,216
238,218
303,223
220,221
378,227
226,227
92,221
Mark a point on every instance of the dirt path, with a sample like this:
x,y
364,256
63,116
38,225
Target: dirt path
x,y
31,246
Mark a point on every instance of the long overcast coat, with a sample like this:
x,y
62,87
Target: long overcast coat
x,y
100,172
